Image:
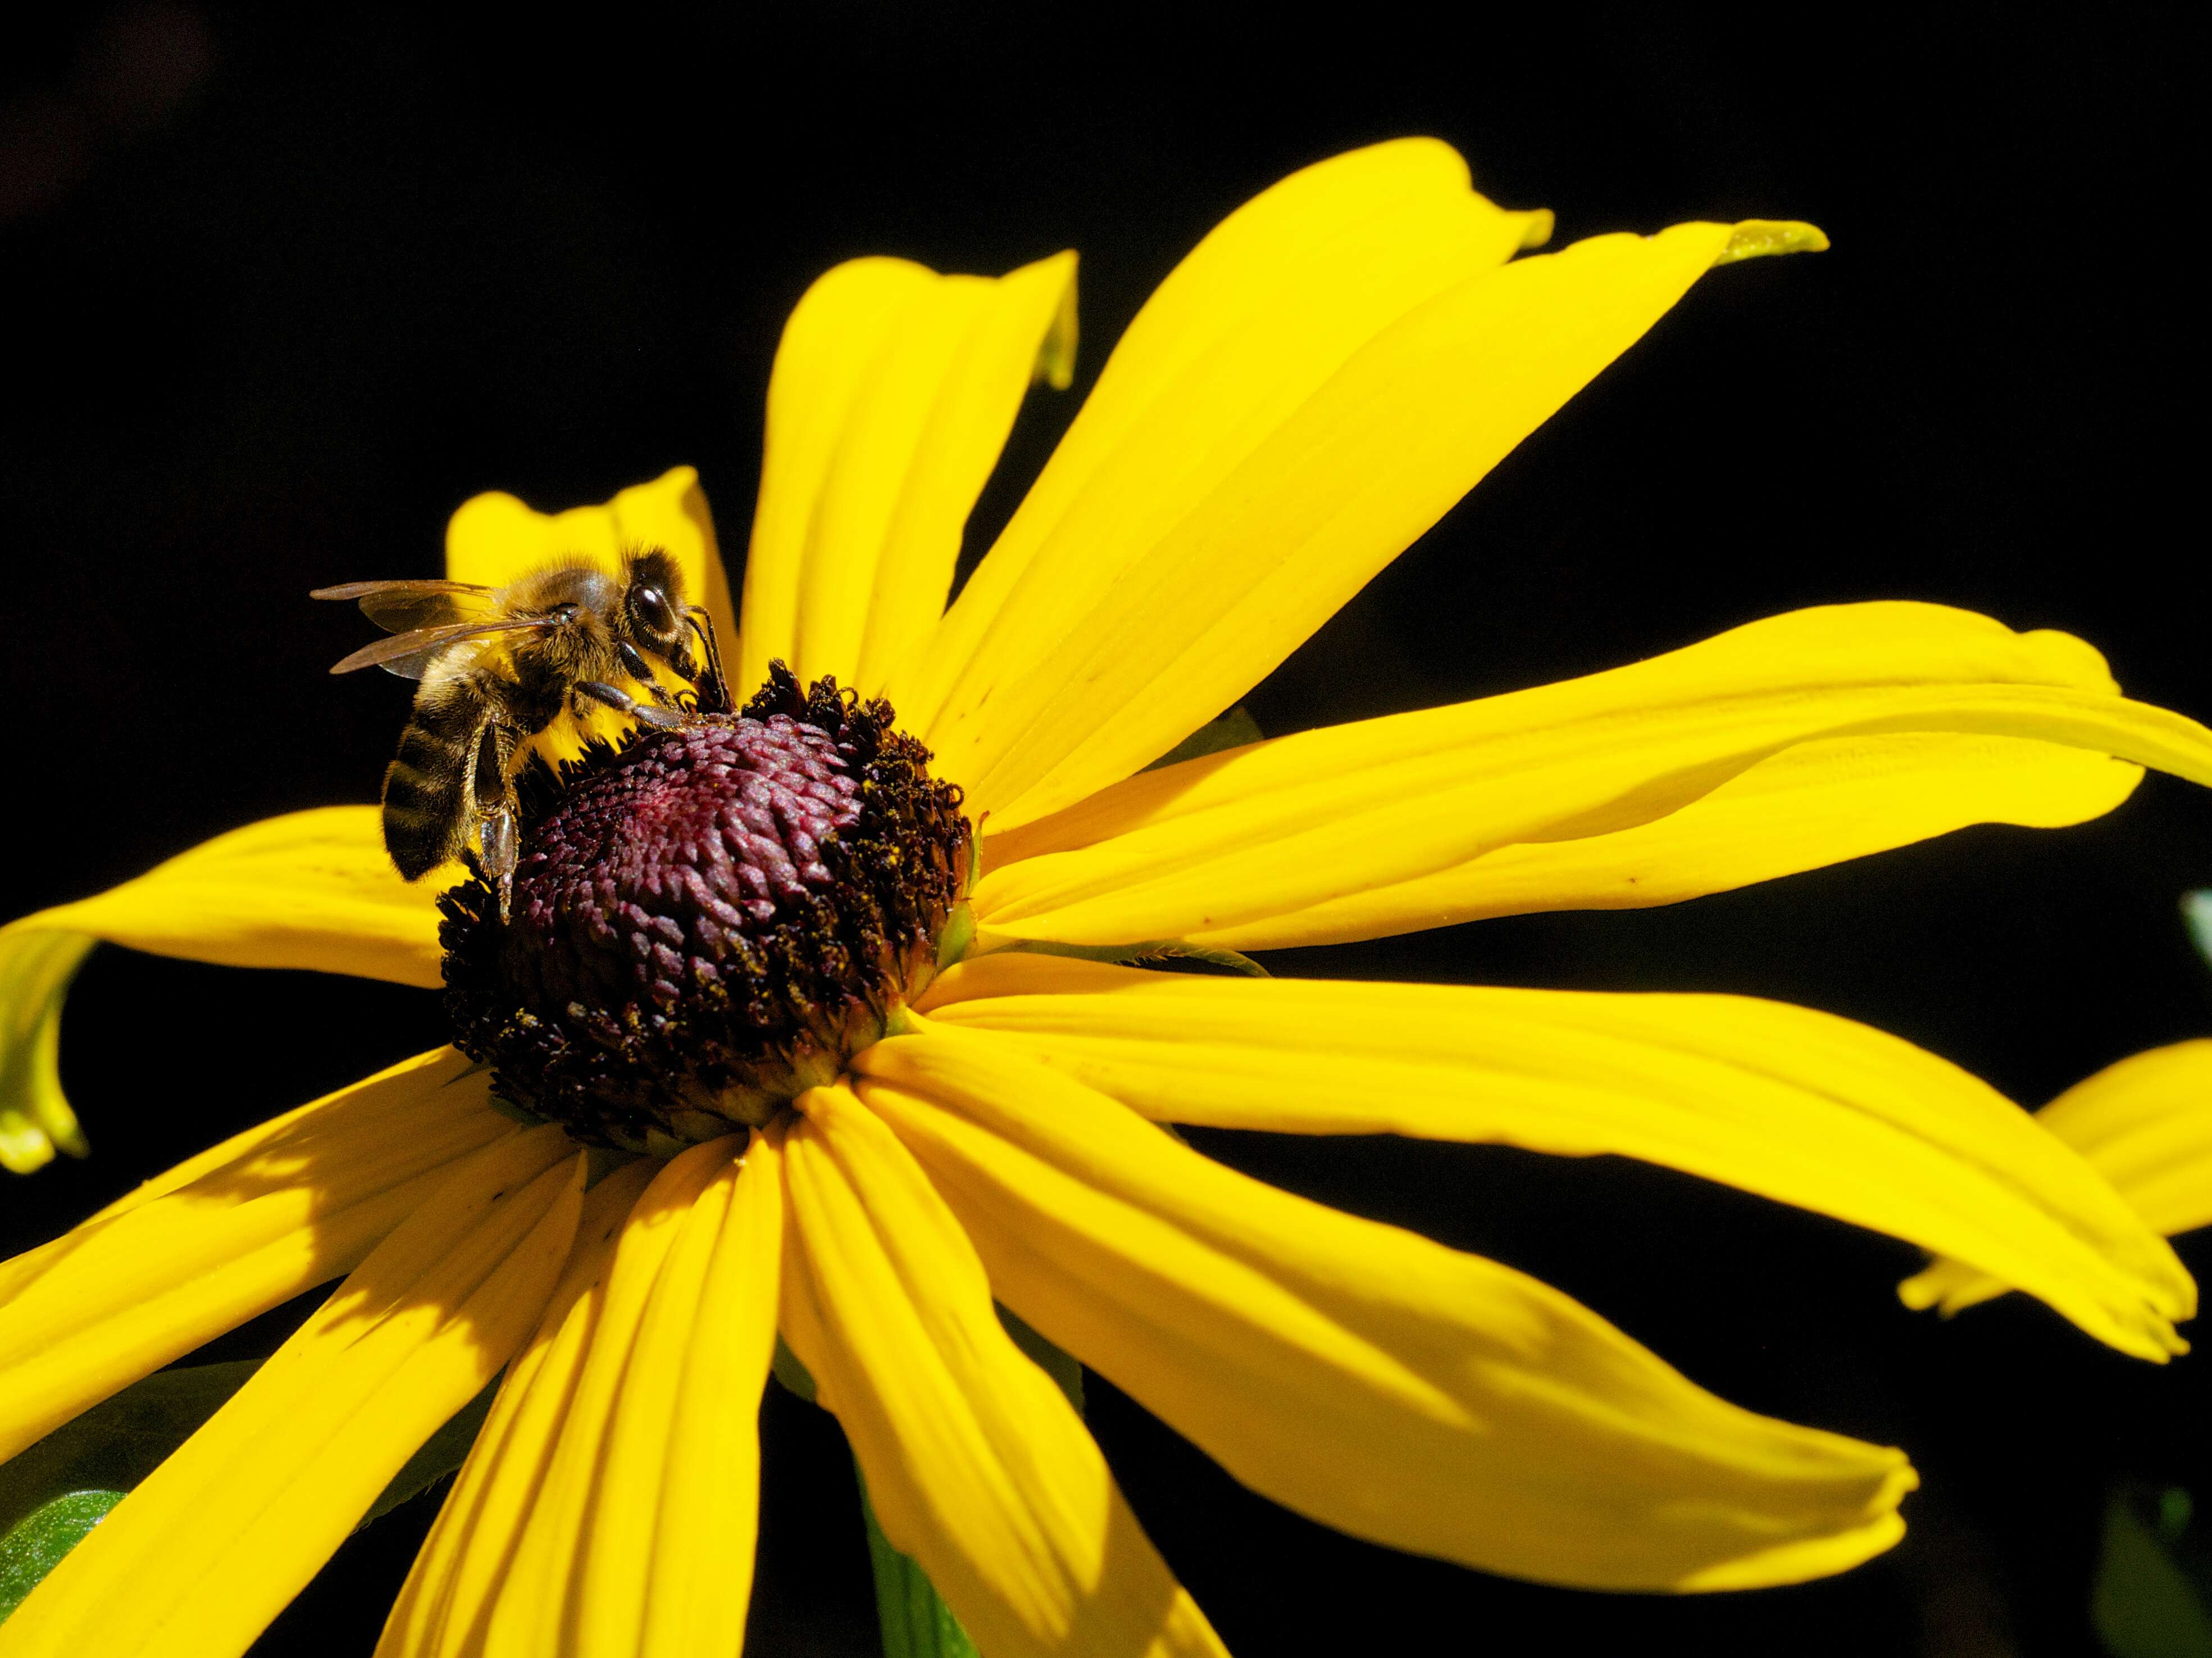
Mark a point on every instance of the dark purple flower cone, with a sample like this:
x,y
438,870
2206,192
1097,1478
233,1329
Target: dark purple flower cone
x,y
709,920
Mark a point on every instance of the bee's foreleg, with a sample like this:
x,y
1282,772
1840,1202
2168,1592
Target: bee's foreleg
x,y
714,689
636,666
623,703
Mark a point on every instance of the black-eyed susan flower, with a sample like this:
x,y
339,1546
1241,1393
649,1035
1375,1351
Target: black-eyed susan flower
x,y
846,980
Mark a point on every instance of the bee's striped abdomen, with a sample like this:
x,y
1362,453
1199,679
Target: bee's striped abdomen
x,y
426,787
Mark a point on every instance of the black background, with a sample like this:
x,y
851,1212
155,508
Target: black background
x,y
279,295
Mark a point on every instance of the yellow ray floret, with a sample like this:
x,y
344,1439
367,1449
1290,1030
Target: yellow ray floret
x,y
195,1561
1795,1105
977,1465
1814,803
1136,623
463,1567
283,1208
2145,1124
1219,846
308,889
893,392
1428,1400
1248,328
543,1586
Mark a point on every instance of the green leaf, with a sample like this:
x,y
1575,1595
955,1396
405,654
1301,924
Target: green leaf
x,y
1232,731
119,1441
441,1453
2149,1597
35,1544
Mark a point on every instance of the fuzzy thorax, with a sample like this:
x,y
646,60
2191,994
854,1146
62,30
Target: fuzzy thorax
x,y
708,921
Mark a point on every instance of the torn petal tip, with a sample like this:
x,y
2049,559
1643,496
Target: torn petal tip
x,y
1755,238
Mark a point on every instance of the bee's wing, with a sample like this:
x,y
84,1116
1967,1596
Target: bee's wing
x,y
411,654
398,607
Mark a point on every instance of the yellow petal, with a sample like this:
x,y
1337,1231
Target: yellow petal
x,y
1132,626
976,1462
540,1608
198,1559
1243,332
1234,839
494,537
1817,803
2145,1124
665,1565
1402,1392
307,890
183,1260
1795,1105
893,392
36,968
463,1564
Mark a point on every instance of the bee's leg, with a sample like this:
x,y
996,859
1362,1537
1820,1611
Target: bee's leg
x,y
638,668
500,839
623,703
714,689
497,832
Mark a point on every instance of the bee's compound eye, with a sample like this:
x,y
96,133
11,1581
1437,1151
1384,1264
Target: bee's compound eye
x,y
652,610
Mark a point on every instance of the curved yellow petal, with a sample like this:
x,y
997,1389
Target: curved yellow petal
x,y
196,1561
149,1280
36,966
664,1568
976,1462
1136,623
1231,840
1378,1383
307,890
463,1564
541,1607
893,392
1241,334
1800,1107
494,538
1817,803
2145,1124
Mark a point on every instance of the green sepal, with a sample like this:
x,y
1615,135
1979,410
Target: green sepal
x,y
1232,731
1150,949
913,1617
35,1545
958,936
2152,1595
1060,1365
787,1369
2196,911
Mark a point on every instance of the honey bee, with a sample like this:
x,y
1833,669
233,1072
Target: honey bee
x,y
499,666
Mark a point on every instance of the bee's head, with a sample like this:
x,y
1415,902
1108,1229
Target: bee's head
x,y
652,601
